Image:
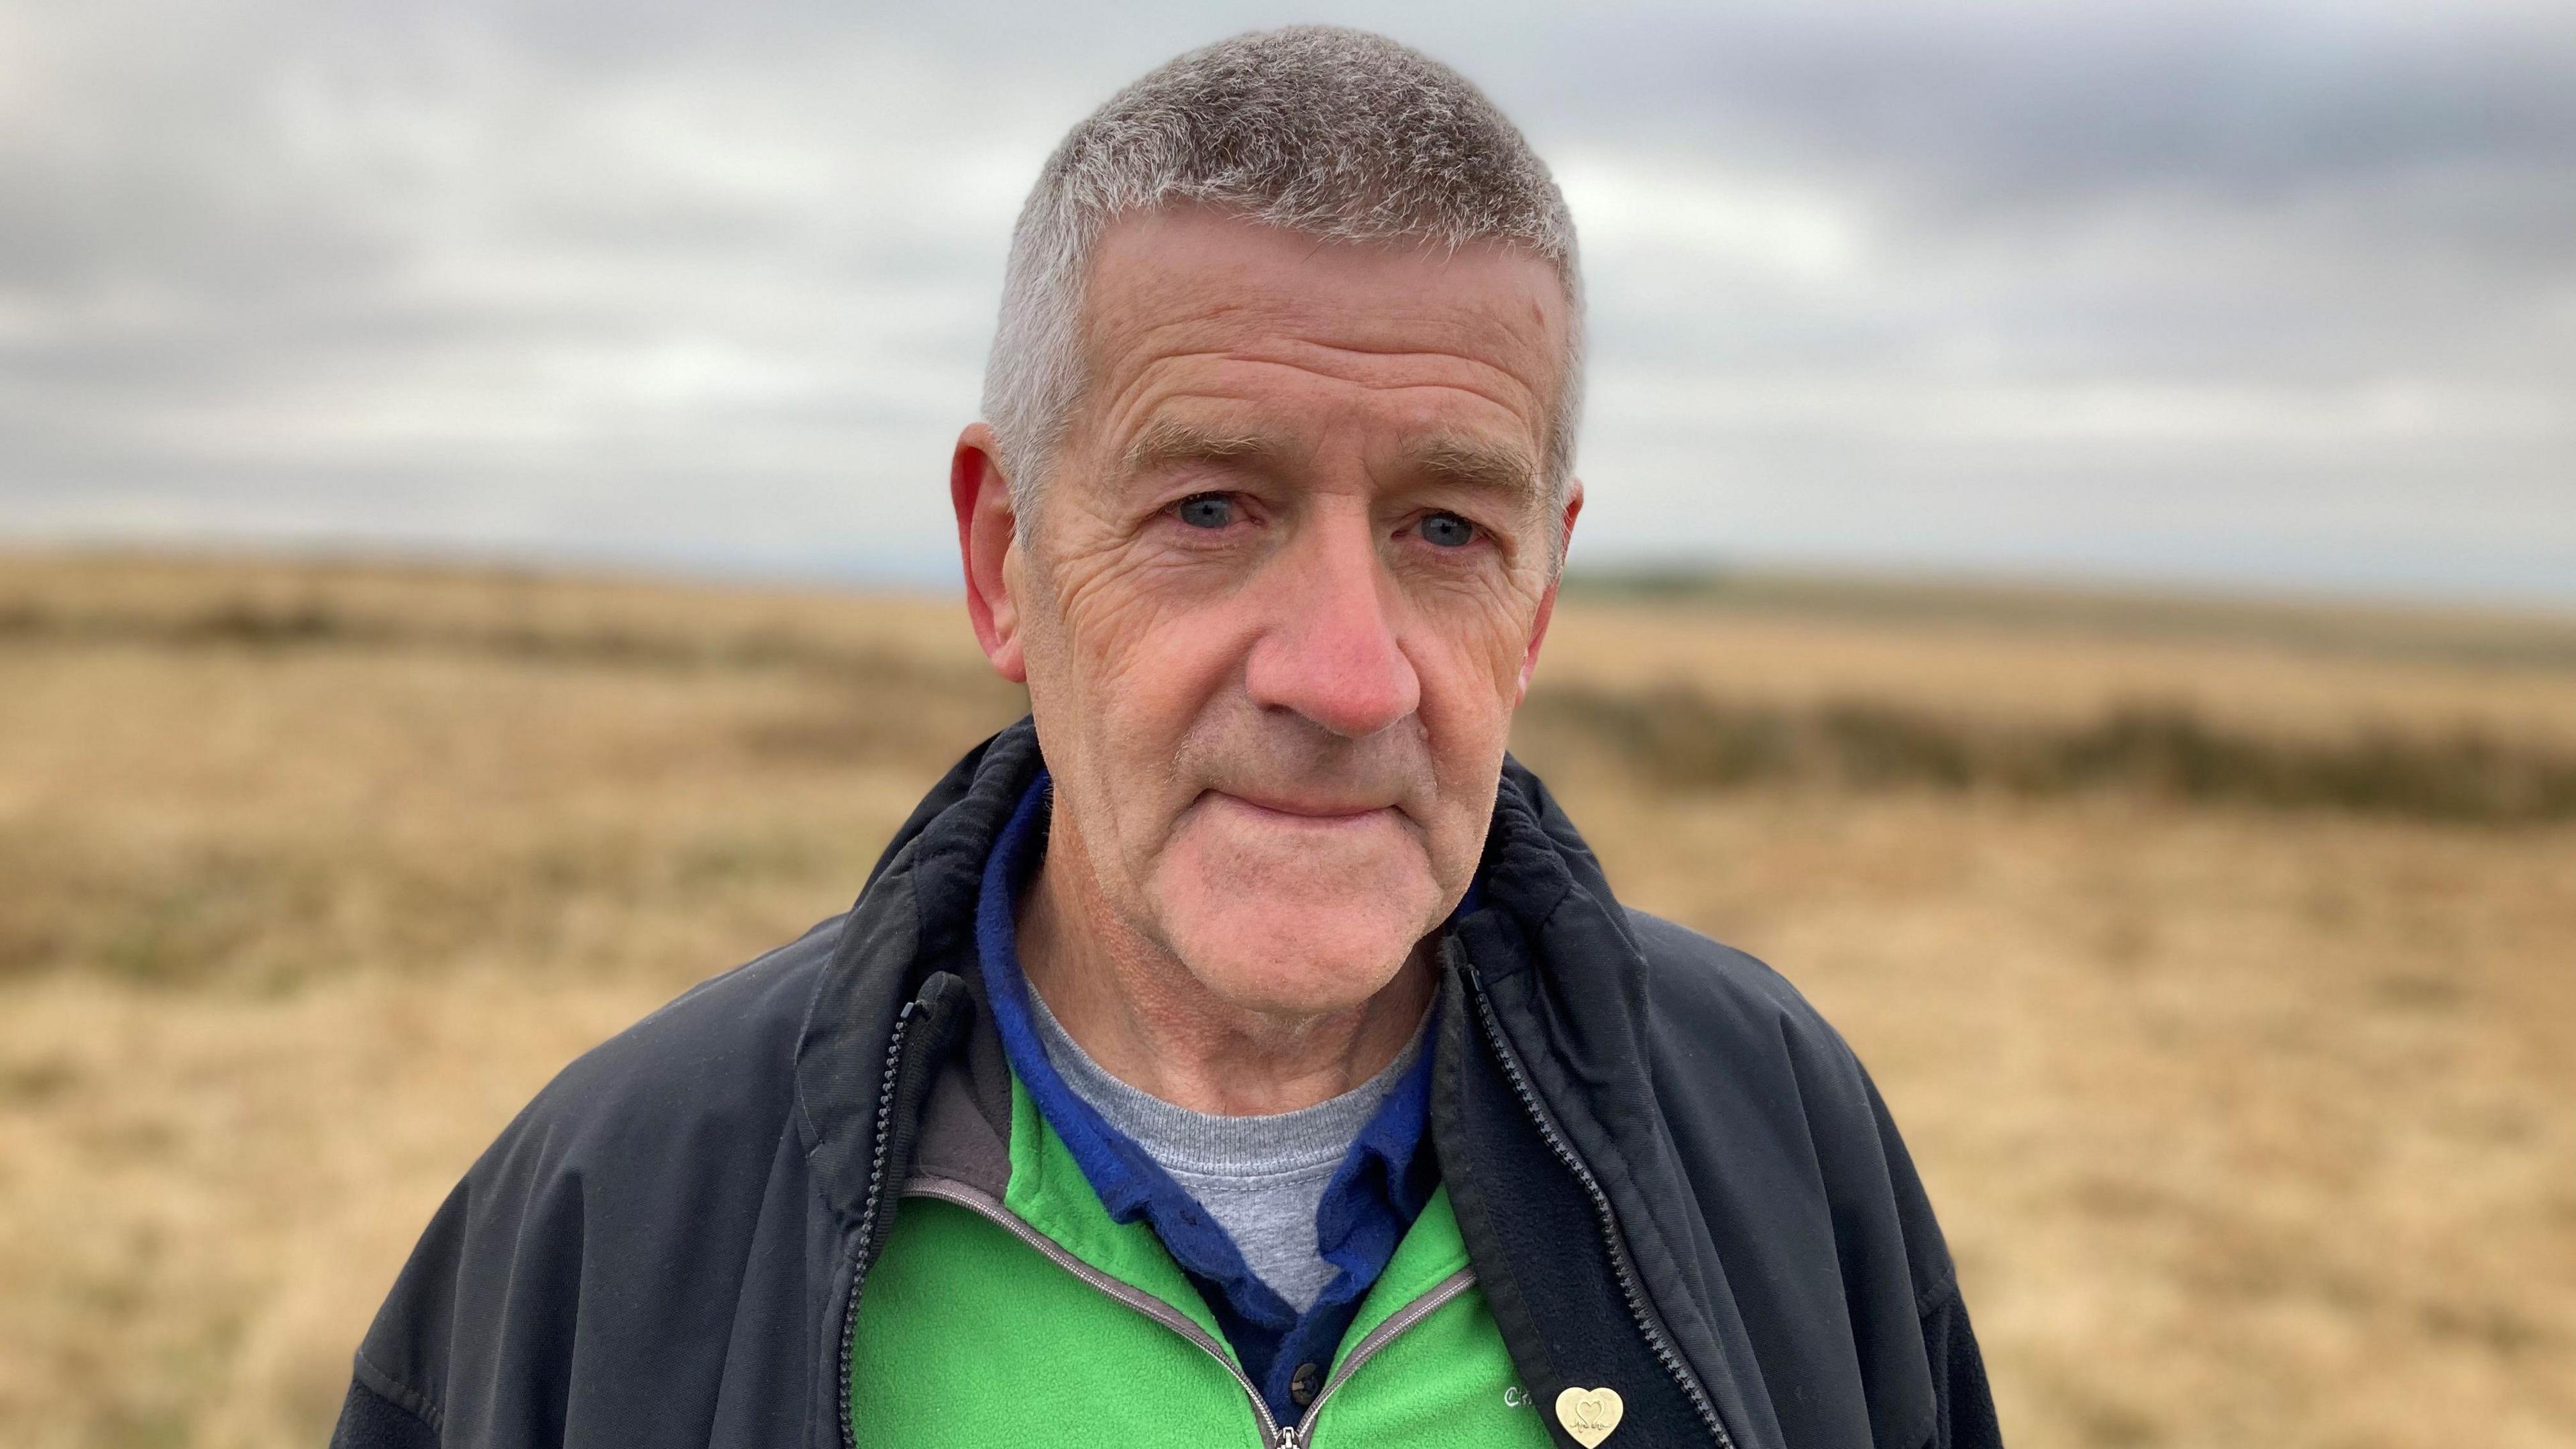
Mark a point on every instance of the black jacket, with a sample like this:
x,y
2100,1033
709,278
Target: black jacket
x,y
1670,1173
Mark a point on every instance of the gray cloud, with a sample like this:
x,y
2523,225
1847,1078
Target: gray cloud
x,y
2273,295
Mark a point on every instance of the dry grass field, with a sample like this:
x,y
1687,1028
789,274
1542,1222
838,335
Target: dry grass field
x,y
2223,972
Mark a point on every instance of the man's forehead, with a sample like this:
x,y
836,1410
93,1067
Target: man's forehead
x,y
1190,272
1207,337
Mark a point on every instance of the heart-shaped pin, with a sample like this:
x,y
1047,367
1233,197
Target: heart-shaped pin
x,y
1589,1414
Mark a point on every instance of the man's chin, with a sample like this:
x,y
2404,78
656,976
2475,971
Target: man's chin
x,y
1292,945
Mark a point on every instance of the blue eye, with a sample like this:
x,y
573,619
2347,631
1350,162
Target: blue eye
x,y
1448,530
1206,510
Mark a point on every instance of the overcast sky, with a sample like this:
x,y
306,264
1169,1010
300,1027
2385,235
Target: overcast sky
x,y
2268,296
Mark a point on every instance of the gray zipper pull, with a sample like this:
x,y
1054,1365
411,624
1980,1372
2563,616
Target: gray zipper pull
x,y
1291,1437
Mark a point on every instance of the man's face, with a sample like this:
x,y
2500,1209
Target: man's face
x,y
1286,582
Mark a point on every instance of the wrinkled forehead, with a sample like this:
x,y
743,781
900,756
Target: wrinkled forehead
x,y
1185,283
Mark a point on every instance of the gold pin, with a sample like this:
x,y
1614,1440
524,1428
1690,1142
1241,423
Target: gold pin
x,y
1589,1414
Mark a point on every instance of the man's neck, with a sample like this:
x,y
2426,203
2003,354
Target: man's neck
x,y
1141,1014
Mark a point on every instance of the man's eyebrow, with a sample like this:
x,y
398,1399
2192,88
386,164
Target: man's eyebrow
x,y
1478,464
1165,442
1473,463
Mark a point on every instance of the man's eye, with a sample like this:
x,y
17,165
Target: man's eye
x,y
1448,530
1206,510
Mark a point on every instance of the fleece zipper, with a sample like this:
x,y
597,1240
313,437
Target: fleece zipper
x,y
1302,1434
1274,1435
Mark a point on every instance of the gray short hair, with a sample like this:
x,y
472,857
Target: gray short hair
x,y
1336,133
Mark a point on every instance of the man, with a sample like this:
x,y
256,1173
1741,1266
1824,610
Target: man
x,y
1241,1050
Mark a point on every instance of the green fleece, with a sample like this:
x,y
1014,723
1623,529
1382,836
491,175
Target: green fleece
x,y
970,1337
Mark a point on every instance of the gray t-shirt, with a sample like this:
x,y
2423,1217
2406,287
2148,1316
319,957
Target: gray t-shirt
x,y
1261,1178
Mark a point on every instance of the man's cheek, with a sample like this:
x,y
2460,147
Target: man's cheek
x,y
1468,698
1170,661
1477,639
1124,631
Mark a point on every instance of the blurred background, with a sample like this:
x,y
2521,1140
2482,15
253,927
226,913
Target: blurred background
x,y
2079,572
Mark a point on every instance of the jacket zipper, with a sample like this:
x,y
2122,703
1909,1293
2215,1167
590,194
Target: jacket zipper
x,y
868,1213
1273,1434
1630,1287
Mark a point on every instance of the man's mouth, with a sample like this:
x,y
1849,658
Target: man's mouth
x,y
1304,809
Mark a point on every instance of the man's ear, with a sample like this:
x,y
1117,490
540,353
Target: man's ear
x,y
988,531
1555,576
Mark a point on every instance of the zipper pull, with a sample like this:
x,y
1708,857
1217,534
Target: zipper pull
x,y
1291,1437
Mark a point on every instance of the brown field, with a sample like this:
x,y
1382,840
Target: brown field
x,y
2221,968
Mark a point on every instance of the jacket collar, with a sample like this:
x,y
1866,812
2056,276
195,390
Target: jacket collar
x,y
912,928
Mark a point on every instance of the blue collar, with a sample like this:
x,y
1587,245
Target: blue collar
x,y
1371,1201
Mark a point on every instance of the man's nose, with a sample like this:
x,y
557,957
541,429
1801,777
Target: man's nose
x,y
1330,652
